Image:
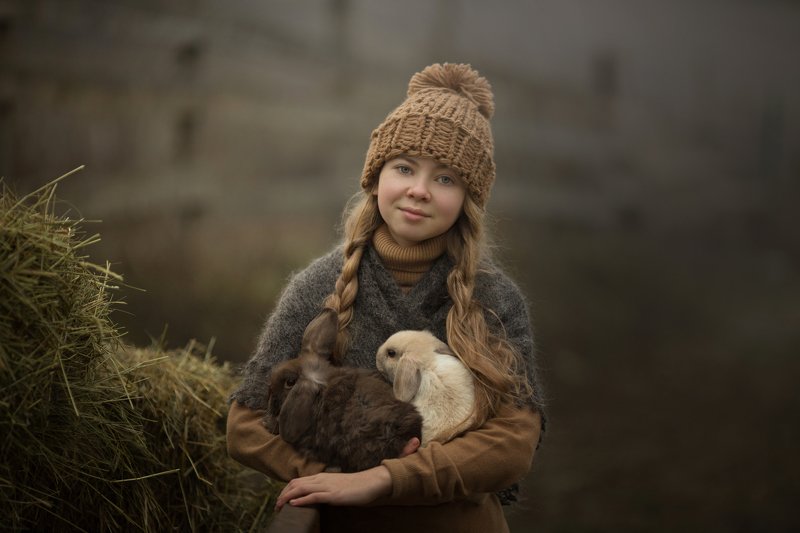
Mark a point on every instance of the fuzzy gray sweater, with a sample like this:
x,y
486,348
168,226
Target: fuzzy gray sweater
x,y
381,309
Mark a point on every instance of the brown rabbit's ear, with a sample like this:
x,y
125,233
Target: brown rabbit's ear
x,y
320,334
296,416
407,377
271,423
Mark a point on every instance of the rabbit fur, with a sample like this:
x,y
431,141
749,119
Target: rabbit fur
x,y
347,418
425,372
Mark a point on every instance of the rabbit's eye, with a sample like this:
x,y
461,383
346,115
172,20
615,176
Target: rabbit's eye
x,y
289,383
391,352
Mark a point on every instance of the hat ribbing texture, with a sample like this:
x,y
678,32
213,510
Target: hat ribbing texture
x,y
446,116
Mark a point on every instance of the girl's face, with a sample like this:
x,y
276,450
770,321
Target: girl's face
x,y
418,198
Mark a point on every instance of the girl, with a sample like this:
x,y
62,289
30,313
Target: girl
x,y
413,257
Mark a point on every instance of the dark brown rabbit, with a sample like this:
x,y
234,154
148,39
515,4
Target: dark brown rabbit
x,y
343,417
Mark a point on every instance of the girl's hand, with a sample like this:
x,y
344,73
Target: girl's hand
x,y
359,488
410,447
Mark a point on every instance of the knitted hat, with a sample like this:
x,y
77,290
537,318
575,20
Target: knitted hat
x,y
445,116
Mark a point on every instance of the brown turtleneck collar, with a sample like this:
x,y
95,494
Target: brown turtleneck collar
x,y
407,264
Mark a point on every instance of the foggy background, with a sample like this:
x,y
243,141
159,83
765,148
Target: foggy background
x,y
648,159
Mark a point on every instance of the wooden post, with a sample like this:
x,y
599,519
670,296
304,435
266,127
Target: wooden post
x,y
295,520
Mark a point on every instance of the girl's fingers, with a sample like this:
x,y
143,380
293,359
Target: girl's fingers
x,y
358,488
301,497
286,494
309,499
410,447
298,488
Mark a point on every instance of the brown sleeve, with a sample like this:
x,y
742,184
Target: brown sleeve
x,y
251,444
485,460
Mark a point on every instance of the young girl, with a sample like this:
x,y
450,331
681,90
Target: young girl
x,y
413,257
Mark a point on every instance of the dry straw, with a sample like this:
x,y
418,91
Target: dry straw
x,y
96,435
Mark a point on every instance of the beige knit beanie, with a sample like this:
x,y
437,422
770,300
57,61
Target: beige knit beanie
x,y
445,116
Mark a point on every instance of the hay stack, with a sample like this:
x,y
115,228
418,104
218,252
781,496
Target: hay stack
x,y
95,435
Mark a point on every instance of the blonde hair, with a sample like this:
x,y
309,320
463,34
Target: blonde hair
x,y
497,367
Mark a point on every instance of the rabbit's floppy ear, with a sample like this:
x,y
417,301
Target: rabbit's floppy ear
x,y
407,377
274,402
296,417
320,335
444,349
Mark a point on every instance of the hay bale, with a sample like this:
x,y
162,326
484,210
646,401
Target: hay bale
x,y
97,435
182,397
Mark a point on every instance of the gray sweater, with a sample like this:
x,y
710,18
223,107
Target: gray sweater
x,y
381,309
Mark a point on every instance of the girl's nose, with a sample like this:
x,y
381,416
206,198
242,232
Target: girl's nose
x,y
419,189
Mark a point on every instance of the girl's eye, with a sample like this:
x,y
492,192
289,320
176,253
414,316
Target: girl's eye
x,y
446,180
402,169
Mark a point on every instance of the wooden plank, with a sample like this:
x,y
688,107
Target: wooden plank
x,y
295,520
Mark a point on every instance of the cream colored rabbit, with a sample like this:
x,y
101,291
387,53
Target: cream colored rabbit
x,y
424,371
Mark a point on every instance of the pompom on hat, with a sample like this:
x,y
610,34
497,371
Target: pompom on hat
x,y
446,116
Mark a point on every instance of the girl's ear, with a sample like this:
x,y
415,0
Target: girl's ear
x,y
407,377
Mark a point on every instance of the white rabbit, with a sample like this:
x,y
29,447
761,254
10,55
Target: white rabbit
x,y
424,371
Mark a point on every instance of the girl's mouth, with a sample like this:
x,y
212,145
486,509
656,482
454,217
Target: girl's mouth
x,y
413,214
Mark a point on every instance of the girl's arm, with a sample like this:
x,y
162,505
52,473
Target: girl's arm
x,y
485,460
482,461
251,444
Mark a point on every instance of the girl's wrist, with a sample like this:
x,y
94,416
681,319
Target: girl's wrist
x,y
383,481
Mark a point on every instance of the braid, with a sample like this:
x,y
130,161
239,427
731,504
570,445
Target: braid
x,y
495,364
361,220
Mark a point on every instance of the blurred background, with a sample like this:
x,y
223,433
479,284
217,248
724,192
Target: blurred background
x,y
648,158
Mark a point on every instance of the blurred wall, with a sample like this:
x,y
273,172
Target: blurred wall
x,y
648,175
